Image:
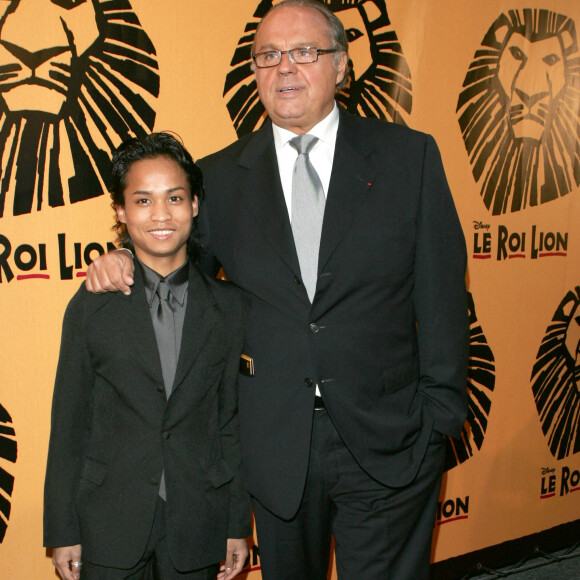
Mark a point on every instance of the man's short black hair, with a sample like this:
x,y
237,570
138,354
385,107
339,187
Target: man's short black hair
x,y
150,147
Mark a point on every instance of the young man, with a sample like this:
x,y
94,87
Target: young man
x,y
144,467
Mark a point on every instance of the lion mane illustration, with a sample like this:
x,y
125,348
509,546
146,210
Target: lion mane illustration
x,y
556,378
69,94
480,385
519,110
379,83
8,453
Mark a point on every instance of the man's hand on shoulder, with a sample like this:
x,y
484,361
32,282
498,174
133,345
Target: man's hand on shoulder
x,y
112,272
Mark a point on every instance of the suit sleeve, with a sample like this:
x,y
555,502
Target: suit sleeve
x,y
70,426
440,298
239,523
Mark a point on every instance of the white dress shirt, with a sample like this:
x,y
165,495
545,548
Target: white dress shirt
x,y
321,155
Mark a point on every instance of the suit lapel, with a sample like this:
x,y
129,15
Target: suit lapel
x,y
201,315
135,320
351,180
264,196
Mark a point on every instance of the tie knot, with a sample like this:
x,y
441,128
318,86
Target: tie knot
x,y
163,290
303,143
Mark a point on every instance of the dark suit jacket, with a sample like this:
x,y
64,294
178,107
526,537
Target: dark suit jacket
x,y
113,430
387,334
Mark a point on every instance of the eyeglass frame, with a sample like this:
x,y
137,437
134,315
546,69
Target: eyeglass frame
x,y
319,51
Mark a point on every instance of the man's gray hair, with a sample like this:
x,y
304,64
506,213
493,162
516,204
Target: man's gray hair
x,y
337,34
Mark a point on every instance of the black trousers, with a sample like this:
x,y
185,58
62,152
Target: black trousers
x,y
155,563
380,533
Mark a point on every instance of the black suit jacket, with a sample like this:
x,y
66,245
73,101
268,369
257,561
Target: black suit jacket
x,y
113,430
386,337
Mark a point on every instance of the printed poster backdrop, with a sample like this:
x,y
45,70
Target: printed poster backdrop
x,y
496,83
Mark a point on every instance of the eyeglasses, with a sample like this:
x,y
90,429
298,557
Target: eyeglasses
x,y
302,55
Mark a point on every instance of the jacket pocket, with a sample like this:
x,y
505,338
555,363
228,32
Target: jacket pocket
x,y
94,471
400,375
213,371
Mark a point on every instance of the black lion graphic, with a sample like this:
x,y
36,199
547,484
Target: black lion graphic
x,y
8,452
480,385
69,94
380,79
519,110
556,378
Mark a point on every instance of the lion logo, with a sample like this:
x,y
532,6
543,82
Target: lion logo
x,y
379,81
519,110
556,378
480,385
8,452
69,94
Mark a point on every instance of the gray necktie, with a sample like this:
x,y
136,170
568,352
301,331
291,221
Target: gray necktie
x,y
307,211
164,325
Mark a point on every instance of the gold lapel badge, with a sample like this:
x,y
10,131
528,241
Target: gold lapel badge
x,y
246,365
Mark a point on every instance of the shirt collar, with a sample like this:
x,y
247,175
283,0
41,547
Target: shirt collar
x,y
324,130
177,280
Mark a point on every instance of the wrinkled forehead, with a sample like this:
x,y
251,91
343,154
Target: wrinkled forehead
x,y
290,26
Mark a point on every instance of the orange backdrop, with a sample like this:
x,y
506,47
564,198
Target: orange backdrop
x,y
458,70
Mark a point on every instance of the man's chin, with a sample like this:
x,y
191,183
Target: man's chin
x,y
289,118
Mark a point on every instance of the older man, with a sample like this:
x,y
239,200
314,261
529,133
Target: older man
x,y
349,250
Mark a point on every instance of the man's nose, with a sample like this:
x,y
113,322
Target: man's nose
x,y
161,212
286,63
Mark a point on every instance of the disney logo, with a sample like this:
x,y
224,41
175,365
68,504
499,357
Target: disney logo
x,y
480,225
548,470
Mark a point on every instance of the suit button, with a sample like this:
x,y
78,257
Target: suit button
x,y
160,389
314,328
154,481
297,280
308,382
166,434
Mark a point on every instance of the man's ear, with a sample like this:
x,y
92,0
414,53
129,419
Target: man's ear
x,y
120,214
342,68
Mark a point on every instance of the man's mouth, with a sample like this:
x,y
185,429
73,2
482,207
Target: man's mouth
x,y
161,233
